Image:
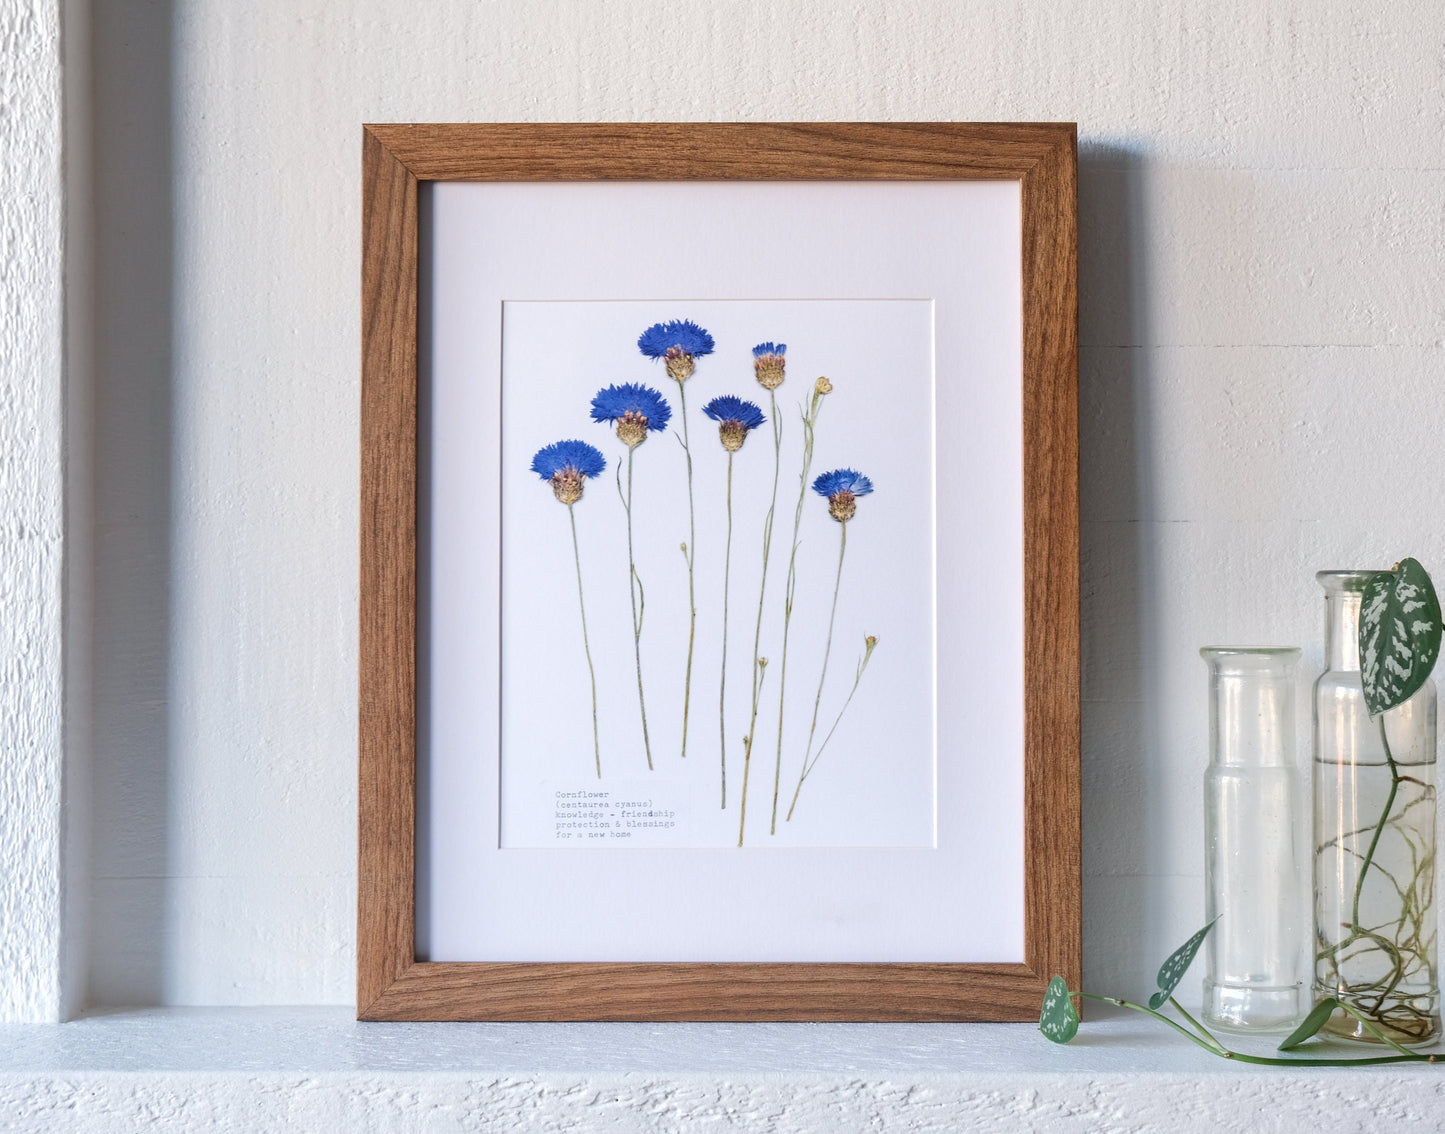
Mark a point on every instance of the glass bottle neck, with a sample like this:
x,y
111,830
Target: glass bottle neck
x,y
1251,705
1342,630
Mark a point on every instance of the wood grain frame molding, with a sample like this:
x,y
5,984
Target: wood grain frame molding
x,y
391,983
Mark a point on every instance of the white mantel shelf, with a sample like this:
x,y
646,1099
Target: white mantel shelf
x,y
317,1069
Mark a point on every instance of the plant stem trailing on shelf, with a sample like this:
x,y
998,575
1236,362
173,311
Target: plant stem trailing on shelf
x,y
1059,1019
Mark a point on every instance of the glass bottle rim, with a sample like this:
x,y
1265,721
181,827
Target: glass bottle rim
x,y
1265,651
1347,580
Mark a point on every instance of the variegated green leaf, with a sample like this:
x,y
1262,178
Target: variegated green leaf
x,y
1312,1023
1058,1020
1399,635
1172,971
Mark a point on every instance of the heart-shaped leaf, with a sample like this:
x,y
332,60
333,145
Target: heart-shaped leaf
x,y
1399,635
1312,1023
1172,971
1058,1020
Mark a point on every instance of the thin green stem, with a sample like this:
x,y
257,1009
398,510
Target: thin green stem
x,y
1217,1048
1379,828
758,662
1197,1026
586,645
1395,951
689,552
723,678
639,608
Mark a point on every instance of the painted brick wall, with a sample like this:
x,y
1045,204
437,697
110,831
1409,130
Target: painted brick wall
x,y
1261,327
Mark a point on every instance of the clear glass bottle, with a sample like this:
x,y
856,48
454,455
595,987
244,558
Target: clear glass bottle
x,y
1374,840
1257,966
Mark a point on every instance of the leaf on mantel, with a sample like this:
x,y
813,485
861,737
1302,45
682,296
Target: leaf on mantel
x,y
1172,971
1311,1024
1058,1020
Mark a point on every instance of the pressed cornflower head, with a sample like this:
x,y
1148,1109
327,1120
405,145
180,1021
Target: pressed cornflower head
x,y
680,342
635,409
736,419
768,363
841,488
568,464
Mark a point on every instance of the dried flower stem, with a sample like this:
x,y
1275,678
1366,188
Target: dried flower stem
x,y
828,648
747,757
723,679
808,765
639,603
810,421
758,663
688,553
586,646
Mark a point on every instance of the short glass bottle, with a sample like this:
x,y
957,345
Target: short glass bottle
x,y
1374,840
1256,977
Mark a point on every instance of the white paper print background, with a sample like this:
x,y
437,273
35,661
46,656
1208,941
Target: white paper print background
x,y
956,244
873,785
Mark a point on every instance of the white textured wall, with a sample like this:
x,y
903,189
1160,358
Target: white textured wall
x,y
1261,317
31,511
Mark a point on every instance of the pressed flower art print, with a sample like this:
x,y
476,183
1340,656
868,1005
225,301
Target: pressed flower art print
x,y
716,600
759,619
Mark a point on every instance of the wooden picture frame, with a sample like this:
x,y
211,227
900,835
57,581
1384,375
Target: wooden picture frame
x,y
391,983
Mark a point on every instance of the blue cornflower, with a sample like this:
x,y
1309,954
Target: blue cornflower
x,y
635,408
841,487
567,464
680,341
768,363
735,418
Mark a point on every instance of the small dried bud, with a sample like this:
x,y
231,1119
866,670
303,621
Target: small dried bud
x,y
632,429
871,641
823,386
762,662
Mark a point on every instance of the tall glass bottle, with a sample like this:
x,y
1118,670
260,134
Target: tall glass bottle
x,y
1254,879
1374,834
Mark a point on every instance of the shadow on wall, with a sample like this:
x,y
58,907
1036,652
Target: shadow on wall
x,y
1119,576
131,76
